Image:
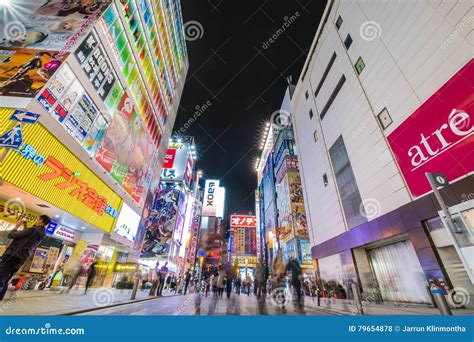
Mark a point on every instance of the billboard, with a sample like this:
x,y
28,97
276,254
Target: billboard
x,y
243,221
50,24
162,221
126,227
210,198
126,150
176,162
298,212
23,72
438,136
50,171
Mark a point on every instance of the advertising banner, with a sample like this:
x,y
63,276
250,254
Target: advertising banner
x,y
298,213
23,72
438,136
125,230
210,197
176,161
243,221
50,24
284,210
50,171
164,212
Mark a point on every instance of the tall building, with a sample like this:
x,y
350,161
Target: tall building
x,y
89,95
280,202
243,244
379,104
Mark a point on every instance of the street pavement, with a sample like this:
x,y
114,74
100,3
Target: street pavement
x,y
106,301
198,304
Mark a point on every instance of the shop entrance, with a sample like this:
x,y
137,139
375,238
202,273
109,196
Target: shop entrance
x,y
398,272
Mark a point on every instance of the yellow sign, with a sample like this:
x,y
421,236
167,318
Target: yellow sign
x,y
46,168
9,209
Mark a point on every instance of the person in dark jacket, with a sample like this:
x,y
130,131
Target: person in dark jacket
x,y
91,275
187,279
20,249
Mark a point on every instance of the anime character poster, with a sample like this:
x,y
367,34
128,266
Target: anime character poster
x,y
50,24
164,213
297,205
23,72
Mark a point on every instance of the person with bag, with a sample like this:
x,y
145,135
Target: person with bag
x,y
20,249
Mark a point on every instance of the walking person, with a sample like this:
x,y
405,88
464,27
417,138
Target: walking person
x,y
248,283
161,277
279,273
229,280
187,279
91,275
296,279
20,249
220,281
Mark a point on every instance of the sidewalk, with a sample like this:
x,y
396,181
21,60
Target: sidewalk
x,y
345,307
58,302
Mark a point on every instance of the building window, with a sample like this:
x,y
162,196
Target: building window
x,y
331,99
384,118
310,114
346,184
339,22
315,135
348,41
360,65
306,95
325,74
325,180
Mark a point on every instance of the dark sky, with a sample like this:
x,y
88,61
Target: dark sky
x,y
244,79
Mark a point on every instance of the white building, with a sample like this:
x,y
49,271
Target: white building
x,y
384,96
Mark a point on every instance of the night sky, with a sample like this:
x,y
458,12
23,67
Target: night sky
x,y
242,78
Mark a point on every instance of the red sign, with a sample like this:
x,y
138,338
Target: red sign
x,y
438,136
243,221
169,158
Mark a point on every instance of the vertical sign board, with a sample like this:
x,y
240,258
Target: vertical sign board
x,y
210,198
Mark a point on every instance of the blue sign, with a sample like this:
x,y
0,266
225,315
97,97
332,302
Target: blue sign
x,y
24,117
51,228
201,252
13,138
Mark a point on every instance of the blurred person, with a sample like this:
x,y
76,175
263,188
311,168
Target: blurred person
x,y
238,284
22,246
187,279
214,285
248,283
91,274
279,274
221,281
161,276
294,268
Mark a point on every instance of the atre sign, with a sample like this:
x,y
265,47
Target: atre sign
x,y
210,197
438,136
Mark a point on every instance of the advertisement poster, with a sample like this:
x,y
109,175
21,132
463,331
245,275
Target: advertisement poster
x,y
297,205
125,230
164,213
116,140
50,24
23,72
176,162
39,260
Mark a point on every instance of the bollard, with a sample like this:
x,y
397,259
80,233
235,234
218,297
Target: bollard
x,y
440,301
135,288
357,299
